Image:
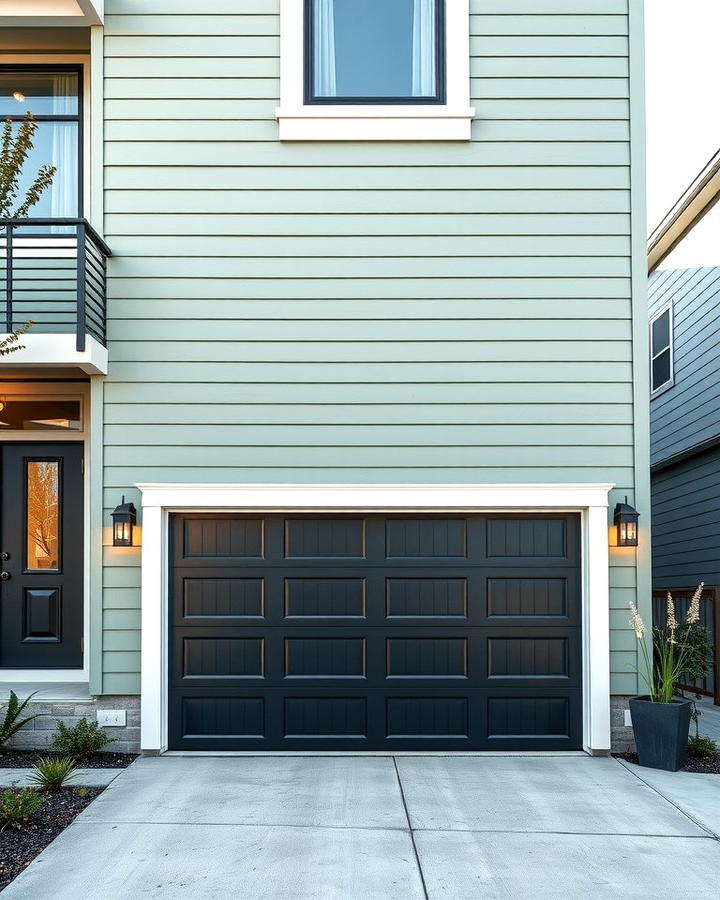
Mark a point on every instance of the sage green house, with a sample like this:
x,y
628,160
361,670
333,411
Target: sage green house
x,y
340,308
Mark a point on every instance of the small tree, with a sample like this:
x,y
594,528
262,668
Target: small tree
x,y
14,149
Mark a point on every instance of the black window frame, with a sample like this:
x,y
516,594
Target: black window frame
x,y
666,348
79,69
440,98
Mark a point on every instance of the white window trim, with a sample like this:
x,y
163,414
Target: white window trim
x,y
590,500
654,391
448,122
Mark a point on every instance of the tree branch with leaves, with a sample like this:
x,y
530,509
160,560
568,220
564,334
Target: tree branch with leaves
x,y
14,150
12,343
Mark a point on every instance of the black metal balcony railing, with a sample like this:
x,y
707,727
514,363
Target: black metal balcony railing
x,y
53,271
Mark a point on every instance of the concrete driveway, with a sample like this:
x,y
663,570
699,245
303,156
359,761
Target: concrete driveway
x,y
296,828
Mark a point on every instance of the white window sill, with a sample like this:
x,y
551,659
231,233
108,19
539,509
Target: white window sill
x,y
375,123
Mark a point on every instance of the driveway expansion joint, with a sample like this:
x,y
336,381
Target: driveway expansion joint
x,y
710,833
171,824
412,835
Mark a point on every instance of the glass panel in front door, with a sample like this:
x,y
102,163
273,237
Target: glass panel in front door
x,y
42,512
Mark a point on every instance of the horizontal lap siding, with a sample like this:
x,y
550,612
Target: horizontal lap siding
x,y
364,312
686,522
686,495
688,413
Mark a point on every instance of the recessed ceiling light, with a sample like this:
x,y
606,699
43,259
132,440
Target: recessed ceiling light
x,y
19,96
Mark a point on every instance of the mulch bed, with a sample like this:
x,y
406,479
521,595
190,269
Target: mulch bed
x,y
709,765
19,847
26,759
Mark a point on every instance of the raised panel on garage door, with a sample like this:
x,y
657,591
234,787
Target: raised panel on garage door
x,y
396,632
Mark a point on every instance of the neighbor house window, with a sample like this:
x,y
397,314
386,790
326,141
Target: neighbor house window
x,y
661,350
375,51
375,70
53,96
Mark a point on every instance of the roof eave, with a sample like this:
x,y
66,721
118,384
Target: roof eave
x,y
697,200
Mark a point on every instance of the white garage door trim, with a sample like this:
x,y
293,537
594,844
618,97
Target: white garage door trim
x,y
590,500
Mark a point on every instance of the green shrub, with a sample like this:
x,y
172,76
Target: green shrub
x,y
12,723
17,805
81,740
53,771
701,746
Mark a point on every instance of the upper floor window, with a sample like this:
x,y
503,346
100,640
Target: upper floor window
x,y
375,70
376,51
54,98
661,350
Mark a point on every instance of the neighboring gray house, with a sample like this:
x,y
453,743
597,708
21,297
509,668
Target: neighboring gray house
x,y
368,357
685,399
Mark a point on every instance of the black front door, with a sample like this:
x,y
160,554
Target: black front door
x,y
41,542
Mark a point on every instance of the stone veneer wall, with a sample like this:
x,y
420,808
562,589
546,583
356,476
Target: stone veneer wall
x,y
622,736
36,735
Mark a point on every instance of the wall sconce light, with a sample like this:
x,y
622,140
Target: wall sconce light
x,y
626,521
123,519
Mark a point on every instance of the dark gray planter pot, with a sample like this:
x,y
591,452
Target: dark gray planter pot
x,y
661,732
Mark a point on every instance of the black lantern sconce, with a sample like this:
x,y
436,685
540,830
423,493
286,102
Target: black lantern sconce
x,y
123,519
626,521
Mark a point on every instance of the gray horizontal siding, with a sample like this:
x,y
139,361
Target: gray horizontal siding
x,y
686,523
688,413
365,312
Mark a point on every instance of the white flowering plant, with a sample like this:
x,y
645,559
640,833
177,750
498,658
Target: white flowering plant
x,y
678,648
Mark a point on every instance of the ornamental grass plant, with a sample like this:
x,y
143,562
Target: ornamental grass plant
x,y
53,772
678,648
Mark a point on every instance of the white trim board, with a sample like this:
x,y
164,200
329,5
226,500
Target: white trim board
x,y
56,351
590,500
376,122
50,13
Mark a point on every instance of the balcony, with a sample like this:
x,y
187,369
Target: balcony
x,y
50,13
53,273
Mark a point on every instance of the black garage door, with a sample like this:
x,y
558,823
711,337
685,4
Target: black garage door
x,y
375,632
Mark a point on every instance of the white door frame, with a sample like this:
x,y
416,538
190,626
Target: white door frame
x,y
589,500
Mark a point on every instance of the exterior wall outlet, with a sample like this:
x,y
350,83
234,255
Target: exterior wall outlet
x,y
628,718
112,718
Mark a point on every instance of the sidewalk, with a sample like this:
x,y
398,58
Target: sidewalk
x,y
709,720
83,777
